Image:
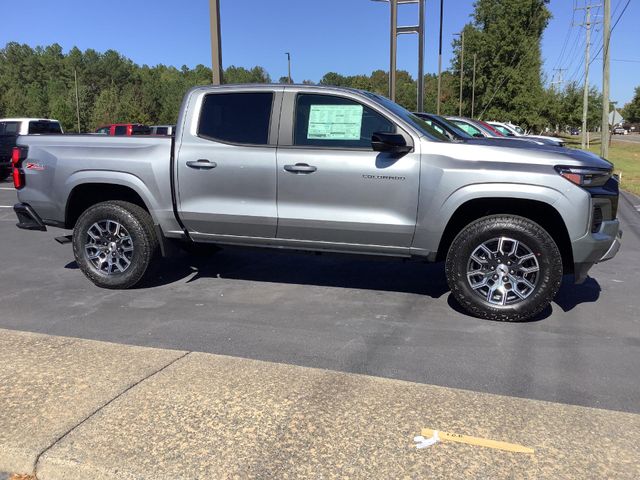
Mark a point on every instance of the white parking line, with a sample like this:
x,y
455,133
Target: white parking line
x,y
6,206
7,188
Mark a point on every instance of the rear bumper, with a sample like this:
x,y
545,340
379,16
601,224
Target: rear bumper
x,y
595,248
28,219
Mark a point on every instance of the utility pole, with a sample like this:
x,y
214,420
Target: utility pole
x,y
75,75
461,34
216,44
473,86
396,30
440,61
585,98
289,63
606,37
560,80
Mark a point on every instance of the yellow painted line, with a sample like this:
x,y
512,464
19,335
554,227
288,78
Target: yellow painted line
x,y
481,442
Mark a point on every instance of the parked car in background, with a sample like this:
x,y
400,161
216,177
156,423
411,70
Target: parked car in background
x,y
163,129
455,132
471,127
574,131
620,131
326,169
10,128
124,129
515,131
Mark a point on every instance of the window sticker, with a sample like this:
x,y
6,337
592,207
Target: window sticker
x,y
335,122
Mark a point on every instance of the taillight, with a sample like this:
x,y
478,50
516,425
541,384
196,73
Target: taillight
x,y
18,154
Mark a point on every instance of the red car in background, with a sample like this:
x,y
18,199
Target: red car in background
x,y
124,129
491,128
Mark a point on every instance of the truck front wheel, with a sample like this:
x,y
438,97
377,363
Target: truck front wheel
x,y
504,267
114,244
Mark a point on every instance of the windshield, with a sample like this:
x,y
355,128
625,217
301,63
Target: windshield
x,y
409,117
503,130
451,126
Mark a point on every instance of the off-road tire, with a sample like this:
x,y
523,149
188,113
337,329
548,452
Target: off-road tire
x,y
522,230
137,222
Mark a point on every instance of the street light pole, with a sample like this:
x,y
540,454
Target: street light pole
x,y
461,69
393,49
473,86
289,64
75,76
396,30
420,105
606,36
216,44
440,61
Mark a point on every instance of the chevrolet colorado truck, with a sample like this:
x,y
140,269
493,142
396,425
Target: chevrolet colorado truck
x,y
329,170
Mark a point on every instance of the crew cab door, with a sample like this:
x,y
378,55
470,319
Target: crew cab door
x,y
332,186
226,163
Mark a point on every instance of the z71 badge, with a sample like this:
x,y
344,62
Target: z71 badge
x,y
34,166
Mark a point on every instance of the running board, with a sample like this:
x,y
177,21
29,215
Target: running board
x,y
64,239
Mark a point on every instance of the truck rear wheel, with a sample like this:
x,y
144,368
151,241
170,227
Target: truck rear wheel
x,y
504,267
114,243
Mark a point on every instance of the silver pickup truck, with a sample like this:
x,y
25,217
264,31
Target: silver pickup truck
x,y
328,170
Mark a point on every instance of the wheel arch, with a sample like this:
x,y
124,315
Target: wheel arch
x,y
84,195
544,214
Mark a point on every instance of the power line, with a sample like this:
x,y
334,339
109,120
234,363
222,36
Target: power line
x,y
612,28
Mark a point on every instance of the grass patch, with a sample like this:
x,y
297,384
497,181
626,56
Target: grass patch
x,y
625,156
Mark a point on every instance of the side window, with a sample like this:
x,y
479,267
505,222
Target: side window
x,y
330,121
470,129
236,117
120,130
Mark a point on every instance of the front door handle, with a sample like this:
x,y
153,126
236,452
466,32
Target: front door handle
x,y
300,168
202,164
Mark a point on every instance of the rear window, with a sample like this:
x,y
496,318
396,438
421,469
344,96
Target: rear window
x,y
236,117
140,130
162,131
44,127
9,128
120,130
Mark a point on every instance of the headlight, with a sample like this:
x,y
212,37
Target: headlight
x,y
585,177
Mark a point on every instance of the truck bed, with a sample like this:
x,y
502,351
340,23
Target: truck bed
x,y
59,163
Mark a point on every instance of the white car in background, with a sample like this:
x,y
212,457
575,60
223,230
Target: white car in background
x,y
511,130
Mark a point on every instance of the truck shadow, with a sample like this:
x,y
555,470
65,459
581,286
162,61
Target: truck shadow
x,y
569,296
341,271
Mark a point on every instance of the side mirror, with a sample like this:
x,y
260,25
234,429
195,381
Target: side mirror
x,y
389,142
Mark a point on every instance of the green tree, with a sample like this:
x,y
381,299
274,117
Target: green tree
x,y
631,111
505,36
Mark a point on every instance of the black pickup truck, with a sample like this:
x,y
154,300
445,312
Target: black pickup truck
x,y
10,128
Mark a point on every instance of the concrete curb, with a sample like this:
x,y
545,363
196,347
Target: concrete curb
x,y
196,415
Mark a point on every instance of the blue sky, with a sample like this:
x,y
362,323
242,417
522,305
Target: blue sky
x,y
346,36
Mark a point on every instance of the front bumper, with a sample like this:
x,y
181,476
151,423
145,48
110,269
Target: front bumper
x,y
595,248
28,219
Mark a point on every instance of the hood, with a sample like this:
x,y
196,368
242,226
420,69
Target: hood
x,y
517,151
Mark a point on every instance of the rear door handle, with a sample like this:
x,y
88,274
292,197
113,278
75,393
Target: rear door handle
x,y
300,168
202,164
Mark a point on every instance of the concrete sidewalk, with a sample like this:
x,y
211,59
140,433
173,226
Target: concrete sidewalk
x,y
84,409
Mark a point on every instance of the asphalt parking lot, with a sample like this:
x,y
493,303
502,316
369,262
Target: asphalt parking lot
x,y
380,317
